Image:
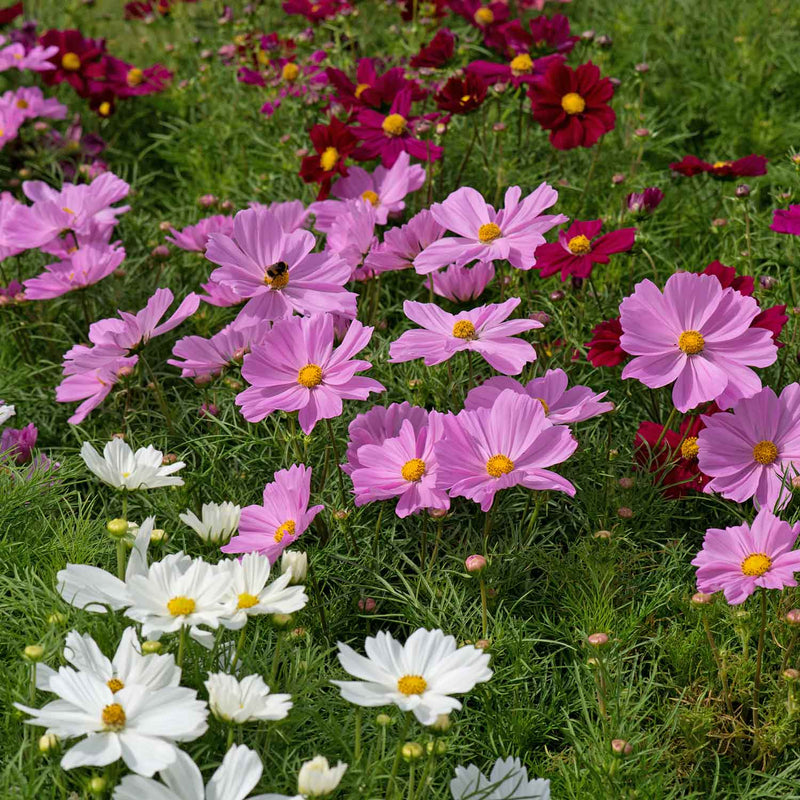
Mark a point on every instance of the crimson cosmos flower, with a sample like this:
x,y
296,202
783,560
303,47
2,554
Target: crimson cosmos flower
x,y
544,35
604,348
77,60
573,104
333,143
462,95
437,53
742,167
372,89
316,11
10,14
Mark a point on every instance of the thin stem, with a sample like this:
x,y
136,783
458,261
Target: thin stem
x,y
759,656
398,753
276,660
312,575
471,375
229,740
467,154
788,651
376,537
596,297
667,426
357,736
121,557
723,675
239,645
411,781
181,646
336,463
436,545
747,239
487,527
592,166
484,613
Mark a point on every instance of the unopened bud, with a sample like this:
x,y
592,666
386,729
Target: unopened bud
x,y
48,742
56,618
340,514
626,483
282,620
169,458
604,534
702,599
367,605
793,617
623,512
151,646
475,563
742,190
411,751
442,723
791,675
160,252
33,652
483,644
384,720
437,513
439,747
597,639
97,785
620,747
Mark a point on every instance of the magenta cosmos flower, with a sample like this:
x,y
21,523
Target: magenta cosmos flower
x,y
405,467
31,103
277,270
462,284
513,233
297,368
737,559
402,245
579,248
698,335
194,238
510,444
481,329
93,386
281,518
755,451
561,405
786,220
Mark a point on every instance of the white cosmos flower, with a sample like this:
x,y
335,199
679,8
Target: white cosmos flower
x,y
318,778
419,676
218,521
129,667
6,412
296,562
246,700
169,596
250,595
507,781
120,467
136,724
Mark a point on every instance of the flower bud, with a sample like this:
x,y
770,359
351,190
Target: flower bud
x,y
604,41
367,605
442,723
742,190
158,536
439,747
206,201
297,562
169,458
117,528
597,639
793,617
767,282
475,563
557,295
642,133
604,534
160,252
623,512
437,513
620,747
483,644
56,618
340,514
151,646
411,751
203,380
282,620
540,316
384,720
702,599
48,742
642,68
791,675
208,410
33,652
97,785
625,483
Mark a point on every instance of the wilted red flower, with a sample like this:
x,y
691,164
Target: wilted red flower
x,y
604,348
77,60
438,52
316,11
461,95
573,104
742,167
333,143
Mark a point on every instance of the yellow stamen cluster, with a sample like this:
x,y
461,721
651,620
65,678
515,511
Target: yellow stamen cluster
x,y
246,600
413,470
765,452
115,684
464,329
411,684
544,405
499,465
756,564
328,159
104,109
691,342
287,529
371,197
290,71
181,606
114,717
23,104
71,61
310,376
521,65
488,232
135,77
721,164
394,125
484,16
573,103
689,448
579,245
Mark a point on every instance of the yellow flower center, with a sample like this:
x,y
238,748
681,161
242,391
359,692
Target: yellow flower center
x,y
371,197
71,61
579,245
277,276
246,600
691,342
329,158
23,104
114,717
115,684
394,125
765,452
180,606
104,108
360,89
488,232
466,98
135,76
464,329
573,103
310,376
412,684
499,465
484,16
720,164
287,528
521,64
689,448
413,470
544,405
290,71
756,564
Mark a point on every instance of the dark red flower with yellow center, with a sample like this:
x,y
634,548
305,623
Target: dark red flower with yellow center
x,y
77,60
748,166
315,10
371,89
573,104
545,35
577,250
487,17
604,348
516,70
333,143
437,53
461,95
127,80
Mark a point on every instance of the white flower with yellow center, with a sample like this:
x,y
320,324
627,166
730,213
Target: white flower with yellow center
x,y
243,701
248,592
508,781
235,778
216,523
318,778
6,412
121,468
135,723
419,676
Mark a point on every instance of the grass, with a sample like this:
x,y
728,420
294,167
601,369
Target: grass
x,y
722,82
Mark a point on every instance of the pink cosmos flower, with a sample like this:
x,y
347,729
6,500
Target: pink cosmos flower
x,y
31,103
194,238
385,190
512,234
481,329
462,284
402,245
10,207
291,214
11,119
755,451
280,520
352,237
385,136
736,560
379,424
405,467
297,368
86,266
579,248
510,444
561,406
219,295
786,220
698,335
92,387
36,59
277,270
211,356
